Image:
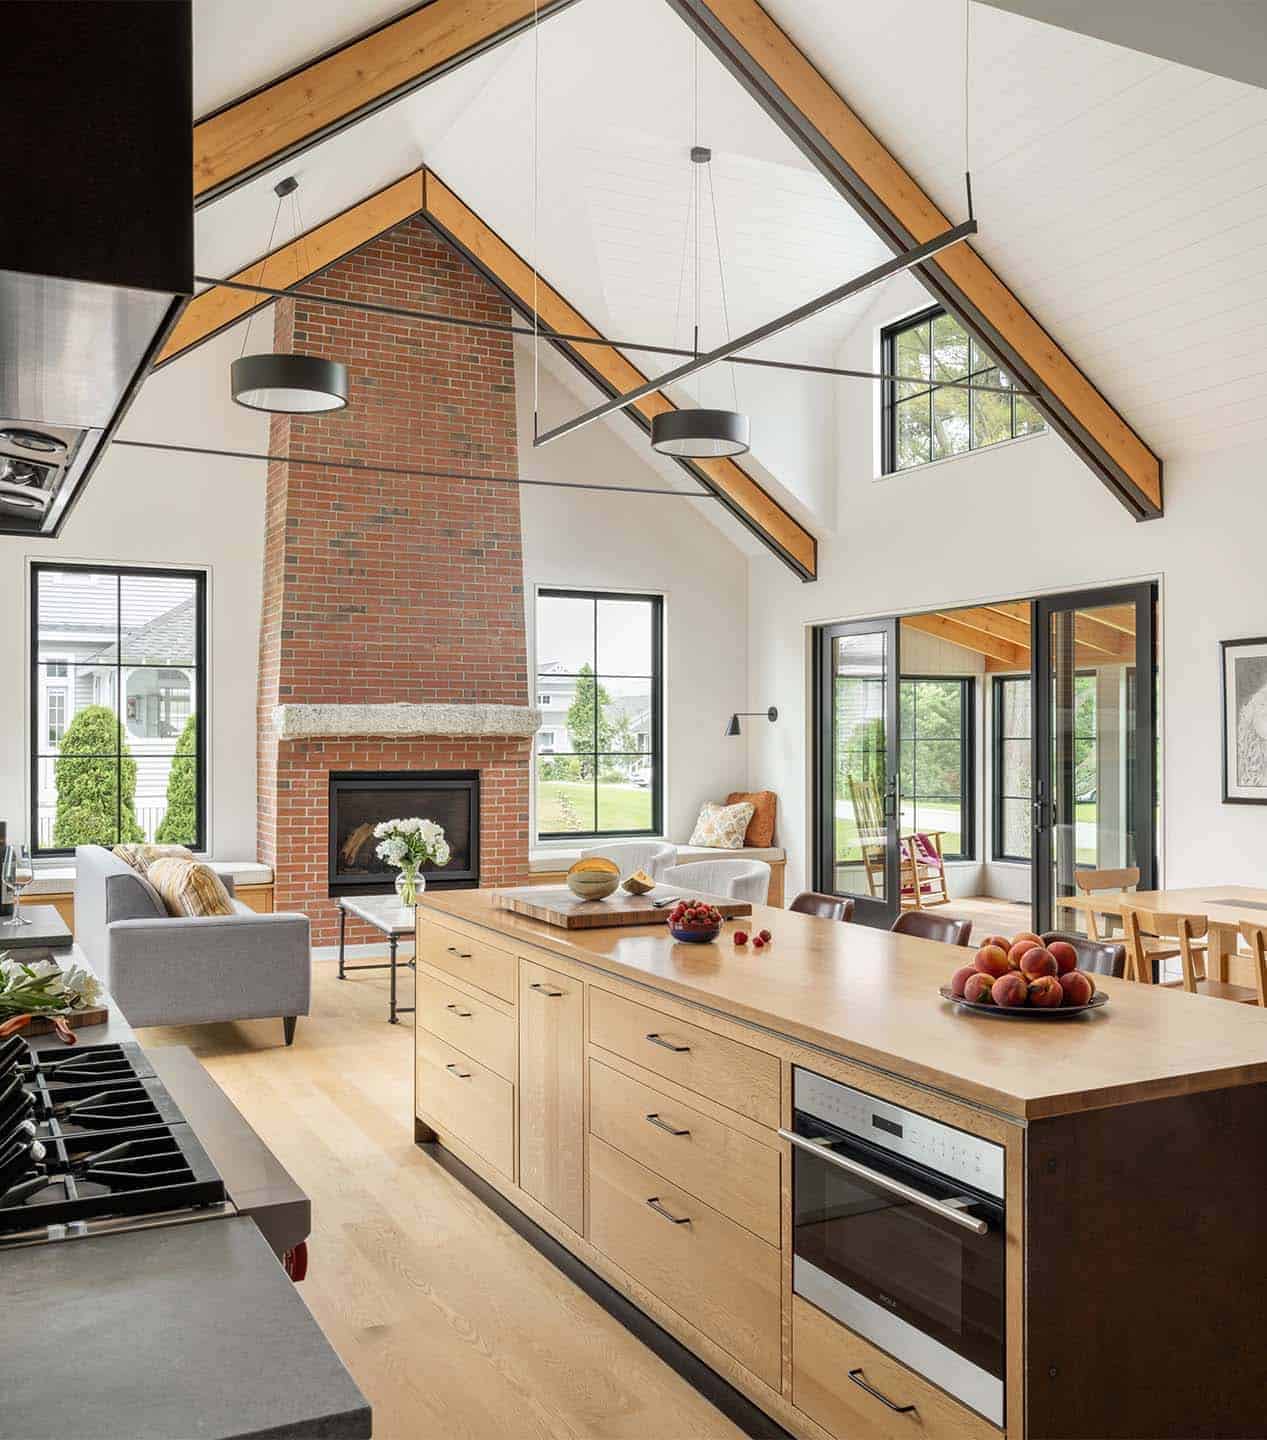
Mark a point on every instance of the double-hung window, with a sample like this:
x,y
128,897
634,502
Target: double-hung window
x,y
599,688
118,670
924,418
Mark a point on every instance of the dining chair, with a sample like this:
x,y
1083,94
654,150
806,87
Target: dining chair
x,y
1091,881
653,856
1255,936
1099,957
932,927
735,879
1186,934
826,907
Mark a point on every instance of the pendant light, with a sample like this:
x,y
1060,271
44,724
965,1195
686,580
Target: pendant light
x,y
703,434
285,383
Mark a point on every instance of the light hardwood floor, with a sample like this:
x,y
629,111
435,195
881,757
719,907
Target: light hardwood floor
x,y
989,915
452,1325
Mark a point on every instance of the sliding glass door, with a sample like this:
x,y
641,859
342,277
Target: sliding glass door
x,y
1095,750
857,850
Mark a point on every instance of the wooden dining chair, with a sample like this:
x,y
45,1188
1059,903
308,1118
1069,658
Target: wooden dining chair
x,y
1091,881
932,927
1255,936
826,907
1185,934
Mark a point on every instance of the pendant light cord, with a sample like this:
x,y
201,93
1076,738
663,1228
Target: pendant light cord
x,y
695,179
536,170
721,275
259,279
967,121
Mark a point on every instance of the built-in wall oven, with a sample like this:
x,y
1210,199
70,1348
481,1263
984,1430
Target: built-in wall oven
x,y
898,1233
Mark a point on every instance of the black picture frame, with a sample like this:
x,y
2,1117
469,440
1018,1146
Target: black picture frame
x,y
1227,649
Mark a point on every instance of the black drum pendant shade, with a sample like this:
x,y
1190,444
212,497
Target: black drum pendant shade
x,y
700,434
289,384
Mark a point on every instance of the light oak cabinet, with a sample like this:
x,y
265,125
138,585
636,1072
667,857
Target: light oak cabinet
x,y
552,1091
475,1027
466,1098
474,961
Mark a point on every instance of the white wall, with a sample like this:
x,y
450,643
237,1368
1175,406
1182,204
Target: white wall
x,y
1020,519
152,508
644,542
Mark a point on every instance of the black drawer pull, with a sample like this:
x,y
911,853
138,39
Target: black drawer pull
x,y
659,1209
856,1377
656,1039
654,1118
461,1074
461,954
545,990
462,1014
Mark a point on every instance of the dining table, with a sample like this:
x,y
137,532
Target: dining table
x,y
1225,907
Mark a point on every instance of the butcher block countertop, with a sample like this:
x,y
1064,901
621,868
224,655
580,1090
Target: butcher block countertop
x,y
871,996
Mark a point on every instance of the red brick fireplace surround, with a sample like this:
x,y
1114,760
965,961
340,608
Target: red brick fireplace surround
x,y
385,589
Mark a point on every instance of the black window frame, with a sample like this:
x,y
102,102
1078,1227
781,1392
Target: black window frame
x,y
889,399
655,753
997,797
37,750
967,750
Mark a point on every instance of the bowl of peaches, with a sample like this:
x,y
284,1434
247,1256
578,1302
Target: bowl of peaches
x,y
1023,978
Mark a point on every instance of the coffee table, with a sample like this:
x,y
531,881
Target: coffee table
x,y
388,916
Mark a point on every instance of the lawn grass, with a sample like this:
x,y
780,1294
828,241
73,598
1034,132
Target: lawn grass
x,y
568,805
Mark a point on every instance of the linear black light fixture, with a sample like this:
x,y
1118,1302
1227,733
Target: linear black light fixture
x,y
287,384
771,715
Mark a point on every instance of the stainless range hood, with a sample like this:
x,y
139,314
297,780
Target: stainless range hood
x,y
96,273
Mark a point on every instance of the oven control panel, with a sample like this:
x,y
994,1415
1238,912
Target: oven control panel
x,y
938,1147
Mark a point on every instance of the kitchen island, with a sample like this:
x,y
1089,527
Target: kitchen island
x,y
586,1074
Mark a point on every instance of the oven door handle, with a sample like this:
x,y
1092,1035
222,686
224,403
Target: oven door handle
x,y
947,1209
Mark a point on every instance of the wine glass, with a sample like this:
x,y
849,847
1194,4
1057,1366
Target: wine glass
x,y
21,873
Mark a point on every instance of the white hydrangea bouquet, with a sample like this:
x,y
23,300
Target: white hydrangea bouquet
x,y
43,986
407,845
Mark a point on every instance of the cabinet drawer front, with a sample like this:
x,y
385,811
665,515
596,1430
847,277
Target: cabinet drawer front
x,y
824,1353
472,1026
714,1273
471,960
552,1091
729,1171
466,1098
734,1075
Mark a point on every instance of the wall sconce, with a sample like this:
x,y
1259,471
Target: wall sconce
x,y
733,728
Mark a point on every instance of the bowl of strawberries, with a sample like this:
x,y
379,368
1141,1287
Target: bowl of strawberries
x,y
694,921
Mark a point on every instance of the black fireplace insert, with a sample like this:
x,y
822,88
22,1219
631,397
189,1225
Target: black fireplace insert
x,y
359,800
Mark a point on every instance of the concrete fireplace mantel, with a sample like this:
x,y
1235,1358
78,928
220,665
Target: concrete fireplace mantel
x,y
313,722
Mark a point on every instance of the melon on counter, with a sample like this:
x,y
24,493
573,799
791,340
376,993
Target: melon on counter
x,y
593,878
639,883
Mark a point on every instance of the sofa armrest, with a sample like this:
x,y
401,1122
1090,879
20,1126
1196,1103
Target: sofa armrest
x,y
199,969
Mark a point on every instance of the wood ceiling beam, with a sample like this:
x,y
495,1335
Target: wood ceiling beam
x,y
612,373
1001,627
944,628
217,307
820,122
288,115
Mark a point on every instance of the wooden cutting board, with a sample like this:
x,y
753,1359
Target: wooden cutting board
x,y
557,906
76,1019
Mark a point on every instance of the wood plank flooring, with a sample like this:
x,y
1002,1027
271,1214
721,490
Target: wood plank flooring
x,y
452,1325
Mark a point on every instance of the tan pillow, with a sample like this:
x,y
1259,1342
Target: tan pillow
x,y
722,827
188,887
141,857
760,834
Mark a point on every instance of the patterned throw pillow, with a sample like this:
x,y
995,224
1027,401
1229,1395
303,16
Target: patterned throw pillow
x,y
141,857
188,887
722,827
760,834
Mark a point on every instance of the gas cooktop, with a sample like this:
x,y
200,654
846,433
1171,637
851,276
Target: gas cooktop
x,y
90,1140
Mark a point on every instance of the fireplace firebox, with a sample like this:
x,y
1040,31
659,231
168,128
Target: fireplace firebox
x,y
359,800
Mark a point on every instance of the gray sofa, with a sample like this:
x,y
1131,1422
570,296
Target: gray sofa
x,y
187,970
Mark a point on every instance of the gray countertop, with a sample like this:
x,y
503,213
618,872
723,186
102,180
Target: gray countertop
x,y
185,1332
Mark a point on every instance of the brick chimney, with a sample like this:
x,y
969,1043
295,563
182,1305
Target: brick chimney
x,y
385,589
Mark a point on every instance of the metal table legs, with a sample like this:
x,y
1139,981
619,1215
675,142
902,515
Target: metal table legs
x,y
394,1011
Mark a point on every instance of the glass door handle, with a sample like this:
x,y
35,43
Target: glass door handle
x,y
947,1209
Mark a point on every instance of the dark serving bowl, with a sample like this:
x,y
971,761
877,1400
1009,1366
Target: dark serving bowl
x,y
695,934
1025,1012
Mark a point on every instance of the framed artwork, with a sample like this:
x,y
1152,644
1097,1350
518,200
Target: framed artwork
x,y
1244,721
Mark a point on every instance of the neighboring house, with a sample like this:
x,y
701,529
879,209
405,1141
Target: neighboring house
x,y
556,690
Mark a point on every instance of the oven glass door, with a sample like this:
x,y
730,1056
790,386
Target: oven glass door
x,y
941,1279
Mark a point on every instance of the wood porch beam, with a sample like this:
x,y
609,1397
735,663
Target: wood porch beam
x,y
295,111
217,307
944,628
820,122
612,373
989,622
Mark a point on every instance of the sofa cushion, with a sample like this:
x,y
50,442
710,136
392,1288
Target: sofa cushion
x,y
760,832
721,827
141,857
189,888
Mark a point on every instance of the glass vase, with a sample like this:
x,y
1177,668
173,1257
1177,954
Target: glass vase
x,y
409,885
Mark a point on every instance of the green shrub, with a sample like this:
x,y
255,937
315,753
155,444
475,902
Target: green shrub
x,y
180,823
91,783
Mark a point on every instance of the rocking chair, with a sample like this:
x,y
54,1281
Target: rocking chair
x,y
921,863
